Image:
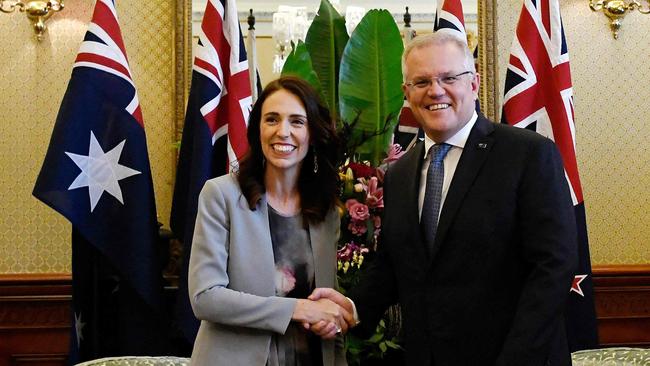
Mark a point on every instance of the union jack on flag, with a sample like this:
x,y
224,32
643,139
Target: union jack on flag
x,y
539,96
96,173
449,18
214,135
221,57
103,49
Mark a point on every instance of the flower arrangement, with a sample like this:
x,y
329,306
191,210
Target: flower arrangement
x,y
359,77
362,197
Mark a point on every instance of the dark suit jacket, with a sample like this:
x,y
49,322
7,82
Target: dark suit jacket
x,y
494,289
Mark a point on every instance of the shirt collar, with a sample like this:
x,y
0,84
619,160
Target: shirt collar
x,y
458,139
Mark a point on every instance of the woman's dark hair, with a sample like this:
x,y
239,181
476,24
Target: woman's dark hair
x,y
318,191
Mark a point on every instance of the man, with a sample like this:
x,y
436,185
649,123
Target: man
x,y
479,252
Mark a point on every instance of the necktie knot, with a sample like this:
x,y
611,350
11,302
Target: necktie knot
x,y
438,152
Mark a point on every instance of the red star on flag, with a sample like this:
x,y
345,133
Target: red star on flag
x,y
575,286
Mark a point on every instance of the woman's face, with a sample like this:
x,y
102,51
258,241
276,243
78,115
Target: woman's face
x,y
284,132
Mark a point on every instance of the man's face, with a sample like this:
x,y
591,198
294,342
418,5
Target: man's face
x,y
445,105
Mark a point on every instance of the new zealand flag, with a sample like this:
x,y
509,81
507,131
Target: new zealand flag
x,y
539,96
96,173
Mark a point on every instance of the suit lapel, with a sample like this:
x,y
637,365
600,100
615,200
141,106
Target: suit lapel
x,y
475,152
409,191
265,247
319,252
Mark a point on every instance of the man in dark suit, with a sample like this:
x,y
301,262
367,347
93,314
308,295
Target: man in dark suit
x,y
478,246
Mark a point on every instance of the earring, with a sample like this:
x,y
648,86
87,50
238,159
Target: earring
x,y
263,162
315,161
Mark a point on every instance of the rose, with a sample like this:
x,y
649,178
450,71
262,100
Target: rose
x,y
361,170
357,210
357,227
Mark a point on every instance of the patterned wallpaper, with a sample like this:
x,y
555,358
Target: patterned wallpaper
x,y
610,79
33,237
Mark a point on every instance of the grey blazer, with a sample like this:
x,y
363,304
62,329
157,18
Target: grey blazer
x,y
231,278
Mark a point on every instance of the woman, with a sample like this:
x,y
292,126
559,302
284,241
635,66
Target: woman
x,y
266,236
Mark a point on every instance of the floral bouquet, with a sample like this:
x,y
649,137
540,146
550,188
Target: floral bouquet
x,y
362,197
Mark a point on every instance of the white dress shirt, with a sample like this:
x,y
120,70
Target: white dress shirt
x,y
450,162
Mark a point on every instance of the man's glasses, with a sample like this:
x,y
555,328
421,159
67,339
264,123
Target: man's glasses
x,y
445,80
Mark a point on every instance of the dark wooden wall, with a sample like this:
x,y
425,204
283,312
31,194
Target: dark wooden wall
x,y
622,296
34,319
35,313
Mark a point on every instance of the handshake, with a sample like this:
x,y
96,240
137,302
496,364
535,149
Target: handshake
x,y
325,312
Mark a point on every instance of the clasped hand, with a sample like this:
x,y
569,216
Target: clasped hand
x,y
326,313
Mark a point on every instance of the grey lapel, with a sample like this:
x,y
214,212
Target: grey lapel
x,y
264,248
323,275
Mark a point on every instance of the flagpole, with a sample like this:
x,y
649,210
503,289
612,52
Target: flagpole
x,y
252,55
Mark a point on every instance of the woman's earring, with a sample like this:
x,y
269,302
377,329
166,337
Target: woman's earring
x,y
263,162
315,161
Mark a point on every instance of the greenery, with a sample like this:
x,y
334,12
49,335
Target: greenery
x,y
359,77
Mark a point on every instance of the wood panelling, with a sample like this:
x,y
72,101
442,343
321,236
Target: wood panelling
x,y
622,296
34,319
35,313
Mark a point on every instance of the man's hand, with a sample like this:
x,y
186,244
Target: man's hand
x,y
328,330
333,319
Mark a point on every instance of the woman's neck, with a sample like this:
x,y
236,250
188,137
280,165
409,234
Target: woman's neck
x,y
282,192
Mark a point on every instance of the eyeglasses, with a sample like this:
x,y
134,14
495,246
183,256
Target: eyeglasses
x,y
445,80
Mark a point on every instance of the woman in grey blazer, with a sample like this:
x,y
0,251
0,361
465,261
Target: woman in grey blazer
x,y
266,236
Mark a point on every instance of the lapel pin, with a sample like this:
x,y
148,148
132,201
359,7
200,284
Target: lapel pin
x,y
482,145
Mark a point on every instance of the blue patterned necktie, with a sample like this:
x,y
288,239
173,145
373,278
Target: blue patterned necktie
x,y
433,194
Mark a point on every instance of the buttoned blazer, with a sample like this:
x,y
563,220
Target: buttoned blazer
x,y
493,290
231,278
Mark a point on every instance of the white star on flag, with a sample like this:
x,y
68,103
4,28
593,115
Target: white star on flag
x,y
78,327
100,171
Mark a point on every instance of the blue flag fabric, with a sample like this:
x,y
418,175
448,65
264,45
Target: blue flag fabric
x,y
539,96
96,173
214,135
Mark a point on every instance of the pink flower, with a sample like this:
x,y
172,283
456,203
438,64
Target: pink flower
x,y
358,211
375,198
285,280
349,249
345,253
357,227
394,153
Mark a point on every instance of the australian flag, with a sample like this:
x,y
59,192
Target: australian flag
x,y
214,135
539,97
96,173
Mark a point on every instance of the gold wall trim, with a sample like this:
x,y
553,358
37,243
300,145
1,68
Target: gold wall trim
x,y
182,71
487,54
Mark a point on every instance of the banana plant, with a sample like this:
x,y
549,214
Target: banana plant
x,y
360,77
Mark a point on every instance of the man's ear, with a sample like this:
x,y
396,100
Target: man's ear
x,y
476,83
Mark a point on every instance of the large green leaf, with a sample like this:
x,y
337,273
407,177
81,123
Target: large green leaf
x,y
370,84
299,64
326,39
